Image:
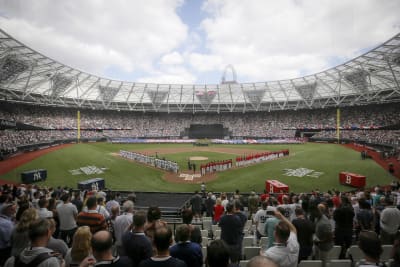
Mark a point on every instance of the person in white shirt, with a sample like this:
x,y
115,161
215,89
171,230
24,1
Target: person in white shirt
x,y
67,214
285,251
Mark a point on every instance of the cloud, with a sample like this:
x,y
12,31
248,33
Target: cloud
x,y
263,40
92,35
173,58
267,40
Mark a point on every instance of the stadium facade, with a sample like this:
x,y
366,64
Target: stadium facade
x,y
30,77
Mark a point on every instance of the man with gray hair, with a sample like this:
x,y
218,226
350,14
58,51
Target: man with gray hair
x,y
37,254
122,224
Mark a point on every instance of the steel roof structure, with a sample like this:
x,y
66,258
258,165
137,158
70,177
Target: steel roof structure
x,y
28,76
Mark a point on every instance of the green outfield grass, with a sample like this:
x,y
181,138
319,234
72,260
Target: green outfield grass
x,y
326,159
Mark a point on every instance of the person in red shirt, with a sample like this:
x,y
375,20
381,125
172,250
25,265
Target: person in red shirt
x,y
218,211
336,199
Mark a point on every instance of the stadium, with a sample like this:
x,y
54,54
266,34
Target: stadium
x,y
313,139
46,103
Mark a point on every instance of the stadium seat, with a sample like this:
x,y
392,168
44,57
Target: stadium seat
x,y
217,234
339,263
386,254
204,251
248,241
355,253
334,253
263,241
250,252
310,263
204,241
207,225
204,233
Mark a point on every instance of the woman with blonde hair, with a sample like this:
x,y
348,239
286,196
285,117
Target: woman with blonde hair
x,y
20,237
81,247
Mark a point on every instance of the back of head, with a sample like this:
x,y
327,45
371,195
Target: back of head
x,y
38,229
182,233
162,238
217,254
64,197
370,244
81,244
139,219
260,261
91,202
187,216
282,230
237,204
229,207
153,214
264,205
101,242
43,202
128,206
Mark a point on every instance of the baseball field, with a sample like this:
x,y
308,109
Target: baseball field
x,y
308,167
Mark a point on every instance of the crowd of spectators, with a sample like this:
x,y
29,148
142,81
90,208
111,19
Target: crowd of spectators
x,y
61,123
58,227
390,137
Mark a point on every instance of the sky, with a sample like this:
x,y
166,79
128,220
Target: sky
x,y
192,41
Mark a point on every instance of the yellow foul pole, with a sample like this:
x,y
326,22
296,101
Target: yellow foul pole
x,y
338,125
78,118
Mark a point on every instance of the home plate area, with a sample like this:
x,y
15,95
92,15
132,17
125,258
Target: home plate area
x,y
189,177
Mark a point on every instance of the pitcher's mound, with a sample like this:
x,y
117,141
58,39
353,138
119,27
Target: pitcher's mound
x,y
198,158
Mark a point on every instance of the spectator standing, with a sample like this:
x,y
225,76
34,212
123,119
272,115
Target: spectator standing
x,y
7,213
56,244
371,247
210,202
67,214
20,235
344,217
102,251
285,251
195,203
122,224
195,233
43,211
185,250
323,241
218,211
135,243
253,202
259,219
270,225
305,230
231,232
81,247
389,223
91,217
37,254
162,258
217,254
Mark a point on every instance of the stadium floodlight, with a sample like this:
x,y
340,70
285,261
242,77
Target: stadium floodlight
x,y
157,97
59,83
306,91
11,66
358,79
107,93
255,97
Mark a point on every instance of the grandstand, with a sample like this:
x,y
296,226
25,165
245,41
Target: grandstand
x,y
40,98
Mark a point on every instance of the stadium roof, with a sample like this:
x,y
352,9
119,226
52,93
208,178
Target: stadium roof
x,y
28,76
